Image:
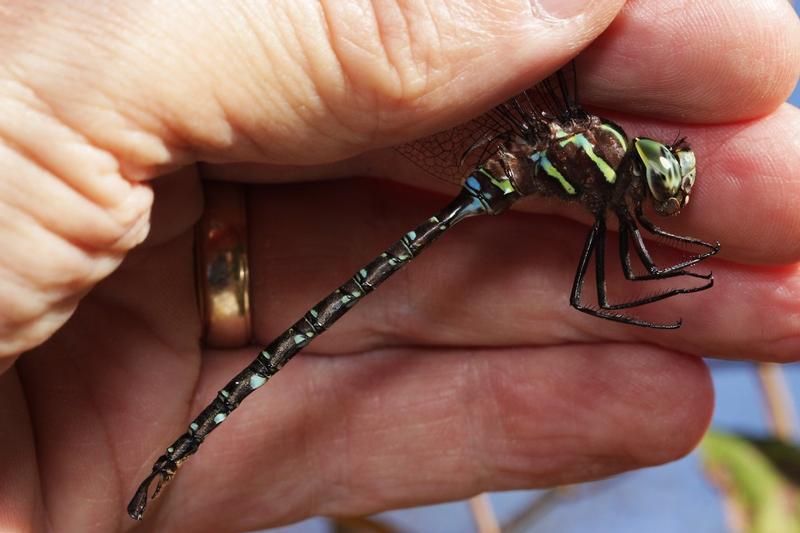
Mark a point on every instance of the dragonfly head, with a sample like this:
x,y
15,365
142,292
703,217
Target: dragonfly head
x,y
669,171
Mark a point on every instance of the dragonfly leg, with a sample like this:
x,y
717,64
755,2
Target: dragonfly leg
x,y
602,298
711,248
628,229
628,226
595,243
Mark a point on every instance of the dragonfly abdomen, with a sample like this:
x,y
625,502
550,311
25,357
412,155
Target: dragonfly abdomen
x,y
313,323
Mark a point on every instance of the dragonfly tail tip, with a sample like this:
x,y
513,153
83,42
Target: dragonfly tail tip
x,y
138,503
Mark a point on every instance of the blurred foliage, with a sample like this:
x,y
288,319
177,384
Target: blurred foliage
x,y
758,481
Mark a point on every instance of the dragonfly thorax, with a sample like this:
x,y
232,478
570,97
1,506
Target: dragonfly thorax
x,y
576,161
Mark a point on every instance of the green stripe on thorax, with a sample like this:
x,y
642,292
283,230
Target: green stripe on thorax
x,y
541,159
617,135
504,184
580,140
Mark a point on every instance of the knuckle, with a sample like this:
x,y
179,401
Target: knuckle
x,y
389,57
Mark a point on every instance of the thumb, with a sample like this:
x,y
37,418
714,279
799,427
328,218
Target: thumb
x,y
295,81
98,98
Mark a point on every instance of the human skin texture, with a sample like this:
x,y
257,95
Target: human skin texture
x,y
466,372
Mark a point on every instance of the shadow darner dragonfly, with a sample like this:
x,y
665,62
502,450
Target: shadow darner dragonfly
x,y
539,143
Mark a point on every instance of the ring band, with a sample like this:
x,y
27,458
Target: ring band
x,y
223,281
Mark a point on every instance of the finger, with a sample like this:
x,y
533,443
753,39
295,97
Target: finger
x,y
719,61
747,179
490,281
745,171
359,434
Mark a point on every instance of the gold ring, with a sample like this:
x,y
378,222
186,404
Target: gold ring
x,y
223,281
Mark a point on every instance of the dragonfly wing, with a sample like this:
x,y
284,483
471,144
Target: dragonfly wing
x,y
451,154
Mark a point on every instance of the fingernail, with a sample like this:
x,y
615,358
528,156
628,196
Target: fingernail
x,y
561,9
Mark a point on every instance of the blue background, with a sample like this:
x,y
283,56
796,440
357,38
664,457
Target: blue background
x,y
667,499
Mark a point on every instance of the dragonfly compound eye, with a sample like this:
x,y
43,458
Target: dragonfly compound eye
x,y
664,172
688,170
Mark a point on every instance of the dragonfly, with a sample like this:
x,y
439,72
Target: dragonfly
x,y
539,143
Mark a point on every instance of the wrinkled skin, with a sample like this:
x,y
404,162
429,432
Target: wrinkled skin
x,y
466,372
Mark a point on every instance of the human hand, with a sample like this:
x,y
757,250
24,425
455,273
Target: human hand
x,y
515,389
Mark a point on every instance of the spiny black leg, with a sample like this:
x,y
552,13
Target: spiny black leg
x,y
641,250
655,230
600,262
596,237
601,285
602,297
656,297
580,274
627,228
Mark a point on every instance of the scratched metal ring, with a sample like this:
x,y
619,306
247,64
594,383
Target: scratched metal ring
x,y
222,274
